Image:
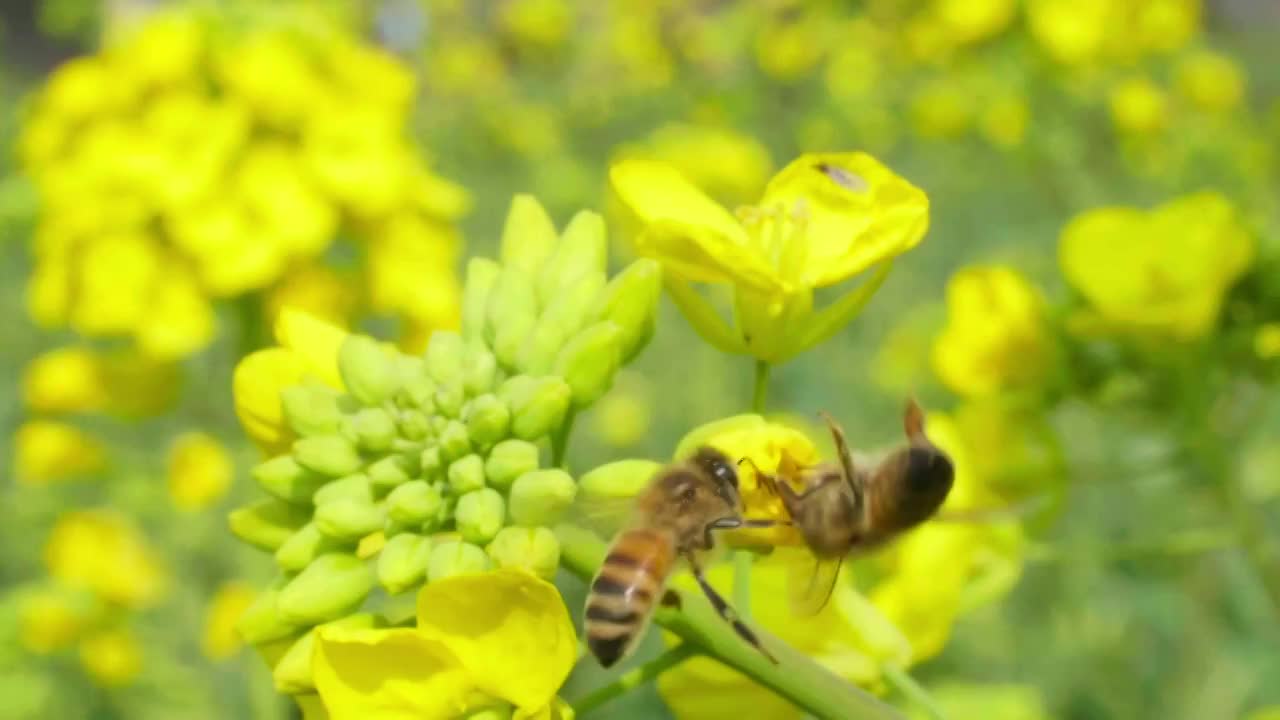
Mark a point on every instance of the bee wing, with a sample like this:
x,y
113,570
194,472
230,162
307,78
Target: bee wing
x,y
605,516
811,583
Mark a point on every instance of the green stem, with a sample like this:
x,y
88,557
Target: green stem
x,y
761,393
560,440
910,689
796,677
633,679
742,560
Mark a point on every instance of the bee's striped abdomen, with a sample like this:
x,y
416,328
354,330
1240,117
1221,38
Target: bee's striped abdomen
x,y
624,591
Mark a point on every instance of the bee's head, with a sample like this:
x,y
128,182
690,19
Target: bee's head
x,y
716,466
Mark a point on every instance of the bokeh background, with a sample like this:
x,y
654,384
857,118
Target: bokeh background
x,y
346,157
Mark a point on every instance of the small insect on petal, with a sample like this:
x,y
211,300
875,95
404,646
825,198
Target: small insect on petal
x,y
842,177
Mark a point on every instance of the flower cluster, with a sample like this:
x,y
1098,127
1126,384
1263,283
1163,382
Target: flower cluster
x,y
199,157
394,470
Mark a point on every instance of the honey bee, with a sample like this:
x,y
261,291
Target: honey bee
x,y
675,517
845,509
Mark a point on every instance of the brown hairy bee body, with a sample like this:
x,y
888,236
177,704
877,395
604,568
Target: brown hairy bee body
x,y
675,517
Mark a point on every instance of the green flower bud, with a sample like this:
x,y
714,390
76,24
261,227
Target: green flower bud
x,y
374,429
267,523
479,515
284,478
414,502
332,455
565,315
449,400
582,248
348,518
454,441
479,370
419,392
356,487
541,496
292,672
403,562
413,425
333,585
528,236
311,409
615,480
537,407
589,361
466,474
535,549
630,301
261,622
509,460
303,546
431,463
455,557
511,314
387,473
488,420
444,357
482,273
368,371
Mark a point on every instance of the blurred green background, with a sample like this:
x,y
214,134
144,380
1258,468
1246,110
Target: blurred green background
x,y
1147,589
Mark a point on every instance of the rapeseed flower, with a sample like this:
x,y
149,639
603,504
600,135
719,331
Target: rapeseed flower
x,y
1138,106
104,553
220,639
111,657
47,451
200,471
1163,271
823,219
997,336
219,156
1210,81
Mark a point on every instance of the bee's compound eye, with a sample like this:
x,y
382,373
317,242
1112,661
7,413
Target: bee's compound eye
x,y
928,470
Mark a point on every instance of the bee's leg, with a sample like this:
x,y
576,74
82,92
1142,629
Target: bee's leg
x,y
725,611
766,480
846,459
733,523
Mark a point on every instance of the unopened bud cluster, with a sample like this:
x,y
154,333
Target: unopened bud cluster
x,y
432,466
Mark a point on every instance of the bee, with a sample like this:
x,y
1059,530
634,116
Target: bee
x,y
845,509
675,517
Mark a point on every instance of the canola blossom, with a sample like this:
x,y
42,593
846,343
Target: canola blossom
x,y
400,471
194,160
823,219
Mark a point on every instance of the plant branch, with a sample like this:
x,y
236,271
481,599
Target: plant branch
x,y
560,440
910,689
796,677
760,394
633,679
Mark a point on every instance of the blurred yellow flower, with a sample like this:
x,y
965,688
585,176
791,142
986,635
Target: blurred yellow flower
x,y
991,702
1138,106
1266,342
537,24
200,471
996,337
220,639
789,50
624,415
729,166
1163,271
1211,81
1004,121
1072,31
46,451
498,636
111,657
971,21
101,551
823,219
227,150
942,108
317,290
1012,447
50,619
68,379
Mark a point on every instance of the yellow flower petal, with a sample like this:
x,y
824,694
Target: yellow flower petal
x,y
395,674
508,629
314,341
65,379
111,657
858,213
256,387
200,471
47,450
180,320
103,552
220,639
688,231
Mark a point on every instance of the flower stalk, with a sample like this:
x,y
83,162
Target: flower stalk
x,y
795,677
633,679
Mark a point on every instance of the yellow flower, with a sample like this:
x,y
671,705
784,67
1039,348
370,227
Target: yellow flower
x,y
727,165
1004,121
308,348
823,219
624,415
1266,343
1072,31
499,636
104,553
51,619
992,702
111,657
1211,81
996,337
942,109
537,24
66,379
971,21
1138,106
788,51
412,272
46,451
200,471
1163,271
1012,447
220,640
317,290
766,444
